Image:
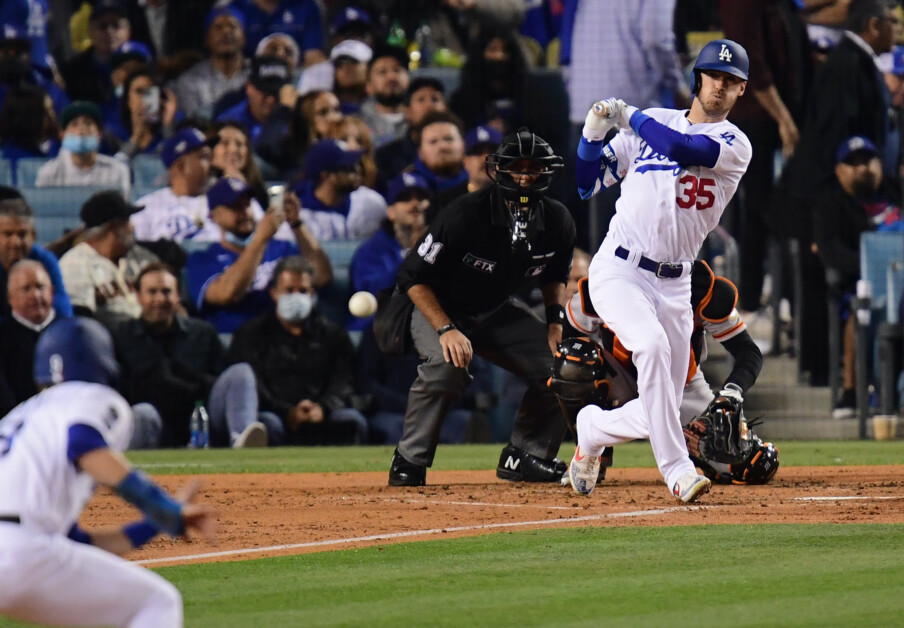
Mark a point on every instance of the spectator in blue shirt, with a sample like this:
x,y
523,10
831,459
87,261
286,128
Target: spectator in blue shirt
x,y
334,203
298,18
228,281
17,242
376,262
262,96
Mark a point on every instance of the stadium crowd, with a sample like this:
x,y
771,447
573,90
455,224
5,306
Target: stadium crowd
x,y
212,180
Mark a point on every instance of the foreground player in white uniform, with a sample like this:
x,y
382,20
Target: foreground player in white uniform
x,y
678,171
54,449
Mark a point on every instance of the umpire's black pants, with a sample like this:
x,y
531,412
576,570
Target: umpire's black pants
x,y
513,338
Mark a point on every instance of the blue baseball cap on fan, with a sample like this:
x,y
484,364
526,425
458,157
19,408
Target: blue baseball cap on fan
x,y
328,155
853,145
226,191
182,142
216,12
350,18
406,182
481,136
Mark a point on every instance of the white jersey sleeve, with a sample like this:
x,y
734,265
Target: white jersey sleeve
x,y
38,482
725,329
579,318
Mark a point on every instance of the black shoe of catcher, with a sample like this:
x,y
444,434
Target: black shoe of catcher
x,y
516,465
404,473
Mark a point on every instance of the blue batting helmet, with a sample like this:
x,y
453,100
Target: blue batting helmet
x,y
75,349
723,55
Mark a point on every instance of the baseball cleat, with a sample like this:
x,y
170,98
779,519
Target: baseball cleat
x,y
404,473
255,435
690,486
583,472
516,465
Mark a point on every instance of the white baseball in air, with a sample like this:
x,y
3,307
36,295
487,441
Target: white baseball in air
x,y
362,304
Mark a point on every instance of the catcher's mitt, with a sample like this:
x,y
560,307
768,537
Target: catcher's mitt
x,y
721,443
719,433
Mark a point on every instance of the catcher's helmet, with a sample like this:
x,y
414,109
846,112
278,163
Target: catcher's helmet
x,y
761,467
723,55
523,145
75,349
576,369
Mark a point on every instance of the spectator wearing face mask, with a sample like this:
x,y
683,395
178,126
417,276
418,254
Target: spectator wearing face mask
x,y
79,163
304,363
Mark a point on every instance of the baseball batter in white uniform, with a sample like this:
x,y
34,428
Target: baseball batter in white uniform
x,y
54,449
678,171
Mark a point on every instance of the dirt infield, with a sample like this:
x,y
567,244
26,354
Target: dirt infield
x,y
275,514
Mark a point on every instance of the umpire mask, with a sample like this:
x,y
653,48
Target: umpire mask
x,y
295,307
537,166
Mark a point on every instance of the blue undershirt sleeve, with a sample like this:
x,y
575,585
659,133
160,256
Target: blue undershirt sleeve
x,y
78,535
687,150
587,166
83,439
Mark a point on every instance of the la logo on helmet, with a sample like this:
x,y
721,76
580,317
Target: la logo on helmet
x,y
725,54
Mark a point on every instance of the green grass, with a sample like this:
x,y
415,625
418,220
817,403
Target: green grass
x,y
458,457
725,575
793,575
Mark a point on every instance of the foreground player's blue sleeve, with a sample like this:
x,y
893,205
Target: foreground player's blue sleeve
x,y
687,150
83,439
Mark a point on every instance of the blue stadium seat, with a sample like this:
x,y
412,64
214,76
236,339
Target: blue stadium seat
x,y
333,299
340,252
27,170
56,209
6,173
143,190
148,172
882,264
449,77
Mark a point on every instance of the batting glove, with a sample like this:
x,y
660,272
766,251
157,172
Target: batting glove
x,y
601,117
625,111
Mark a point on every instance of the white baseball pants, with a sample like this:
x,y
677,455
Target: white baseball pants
x,y
50,579
652,318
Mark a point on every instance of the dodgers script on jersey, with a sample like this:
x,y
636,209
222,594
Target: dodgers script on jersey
x,y
38,482
667,211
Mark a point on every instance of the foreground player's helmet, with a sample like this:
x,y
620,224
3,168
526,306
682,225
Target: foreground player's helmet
x,y
523,145
75,349
723,55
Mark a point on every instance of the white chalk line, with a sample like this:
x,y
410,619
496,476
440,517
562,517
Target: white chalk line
x,y
440,502
843,498
413,533
160,465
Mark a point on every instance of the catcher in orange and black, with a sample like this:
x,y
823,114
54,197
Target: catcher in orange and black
x,y
592,367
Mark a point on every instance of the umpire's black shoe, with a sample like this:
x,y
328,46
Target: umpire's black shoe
x,y
516,465
404,473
